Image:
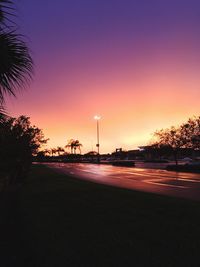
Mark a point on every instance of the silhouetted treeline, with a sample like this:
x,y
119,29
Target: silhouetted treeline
x,y
19,140
174,139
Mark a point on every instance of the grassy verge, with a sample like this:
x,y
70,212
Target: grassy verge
x,y
60,221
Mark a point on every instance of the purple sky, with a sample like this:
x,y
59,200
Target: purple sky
x,y
134,62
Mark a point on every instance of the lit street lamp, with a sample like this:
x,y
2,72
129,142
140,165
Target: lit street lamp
x,y
97,118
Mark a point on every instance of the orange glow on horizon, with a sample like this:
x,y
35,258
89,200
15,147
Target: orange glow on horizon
x,y
136,91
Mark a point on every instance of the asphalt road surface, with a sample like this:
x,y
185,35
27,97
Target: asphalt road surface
x,y
184,185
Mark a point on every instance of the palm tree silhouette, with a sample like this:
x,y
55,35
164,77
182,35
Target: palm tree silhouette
x,y
53,151
78,145
70,145
16,64
4,9
59,150
73,145
3,115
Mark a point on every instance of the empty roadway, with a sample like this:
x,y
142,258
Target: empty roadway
x,y
186,185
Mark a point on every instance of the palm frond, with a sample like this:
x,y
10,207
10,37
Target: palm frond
x,y
3,114
16,64
5,7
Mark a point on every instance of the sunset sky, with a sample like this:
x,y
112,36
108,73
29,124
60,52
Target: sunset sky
x,y
134,62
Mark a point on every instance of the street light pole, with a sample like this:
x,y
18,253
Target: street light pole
x,y
97,118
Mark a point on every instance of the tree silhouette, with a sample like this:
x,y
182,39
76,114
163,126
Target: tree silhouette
x,y
77,145
187,135
53,151
19,141
171,138
190,132
59,150
47,152
4,10
73,145
16,63
70,145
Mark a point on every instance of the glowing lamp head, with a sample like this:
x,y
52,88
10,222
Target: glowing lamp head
x,y
96,117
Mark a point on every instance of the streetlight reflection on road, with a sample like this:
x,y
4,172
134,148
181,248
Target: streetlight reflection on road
x,y
97,118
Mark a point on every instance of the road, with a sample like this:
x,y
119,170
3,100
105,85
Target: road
x,y
184,185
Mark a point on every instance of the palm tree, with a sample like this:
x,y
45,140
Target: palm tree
x,y
73,145
78,145
3,115
16,64
53,151
59,150
70,145
4,10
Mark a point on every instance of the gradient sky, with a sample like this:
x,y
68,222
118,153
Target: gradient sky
x,y
134,62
